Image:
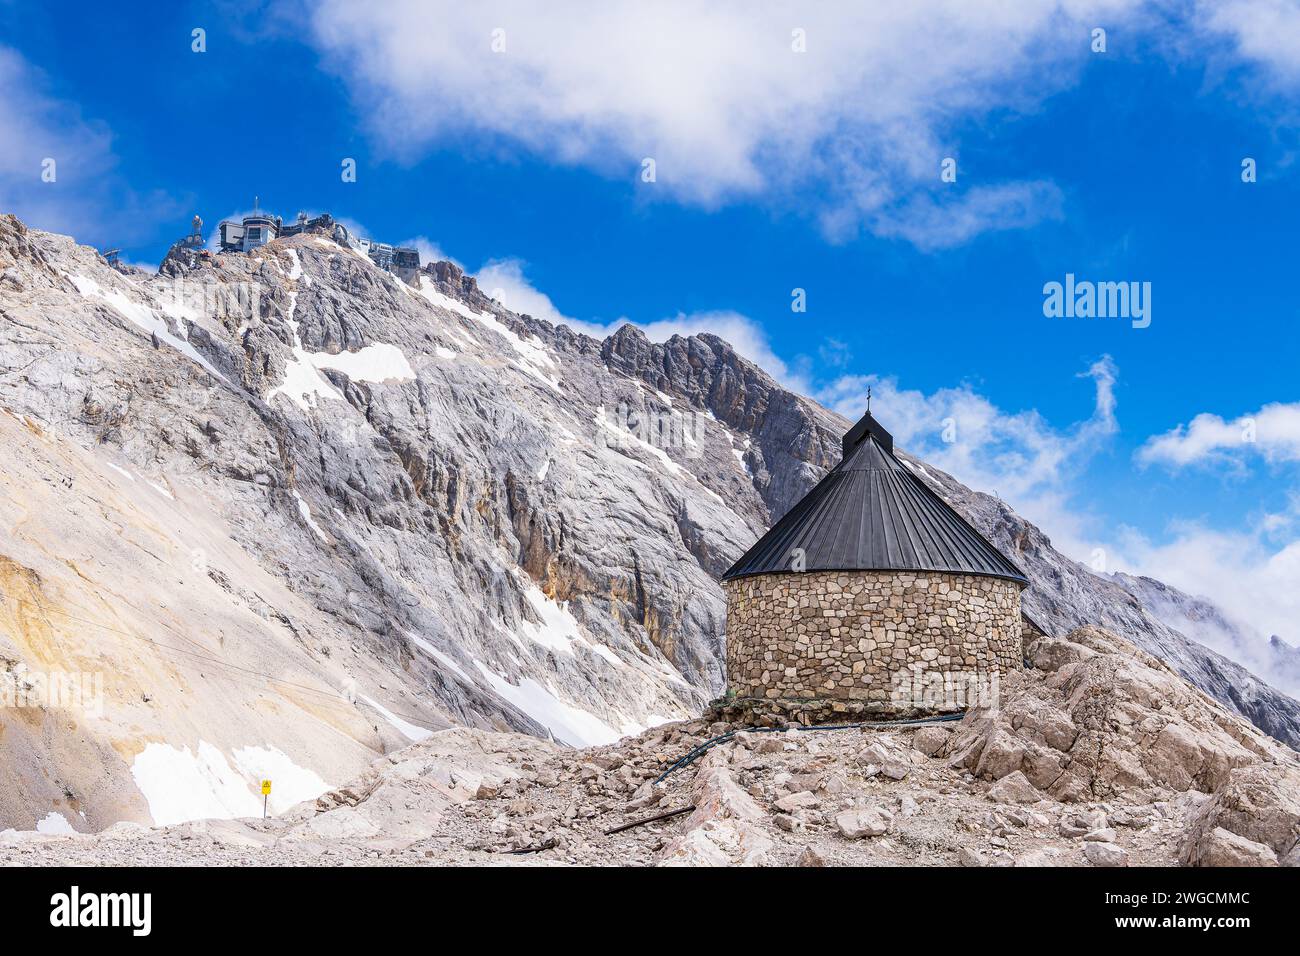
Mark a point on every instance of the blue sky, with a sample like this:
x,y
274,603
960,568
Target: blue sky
x,y
779,169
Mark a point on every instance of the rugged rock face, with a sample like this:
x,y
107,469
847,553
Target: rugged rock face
x,y
1107,720
296,513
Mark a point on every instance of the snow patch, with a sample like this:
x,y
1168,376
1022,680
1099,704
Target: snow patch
x,y
567,723
559,629
55,823
409,731
918,469
181,785
535,360
290,783
379,362
439,656
303,382
304,510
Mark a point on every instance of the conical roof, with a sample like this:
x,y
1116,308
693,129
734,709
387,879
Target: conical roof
x,y
870,513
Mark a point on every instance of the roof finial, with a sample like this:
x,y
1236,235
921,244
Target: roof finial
x,y
868,399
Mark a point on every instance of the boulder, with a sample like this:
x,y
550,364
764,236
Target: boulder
x,y
1014,788
967,856
868,822
1220,847
796,801
930,740
1105,854
1043,856
1081,822
810,857
1259,804
721,831
1051,654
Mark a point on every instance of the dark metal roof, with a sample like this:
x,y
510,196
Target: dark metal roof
x,y
870,513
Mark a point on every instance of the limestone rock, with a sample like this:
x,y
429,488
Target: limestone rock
x,y
1043,856
1014,788
931,739
1260,805
721,830
968,856
1220,847
1105,854
1108,720
795,801
1081,822
810,857
858,823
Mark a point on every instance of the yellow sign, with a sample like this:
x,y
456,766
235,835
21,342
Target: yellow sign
x,y
266,787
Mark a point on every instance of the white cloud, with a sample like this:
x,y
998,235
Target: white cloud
x,y
35,126
1273,432
1250,574
1264,32
932,224
720,100
504,280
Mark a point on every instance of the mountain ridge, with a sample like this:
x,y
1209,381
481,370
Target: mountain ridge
x,y
405,495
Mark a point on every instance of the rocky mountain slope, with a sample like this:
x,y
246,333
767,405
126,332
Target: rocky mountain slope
x,y
1099,756
295,512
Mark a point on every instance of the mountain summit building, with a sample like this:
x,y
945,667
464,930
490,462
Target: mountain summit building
x,y
871,596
